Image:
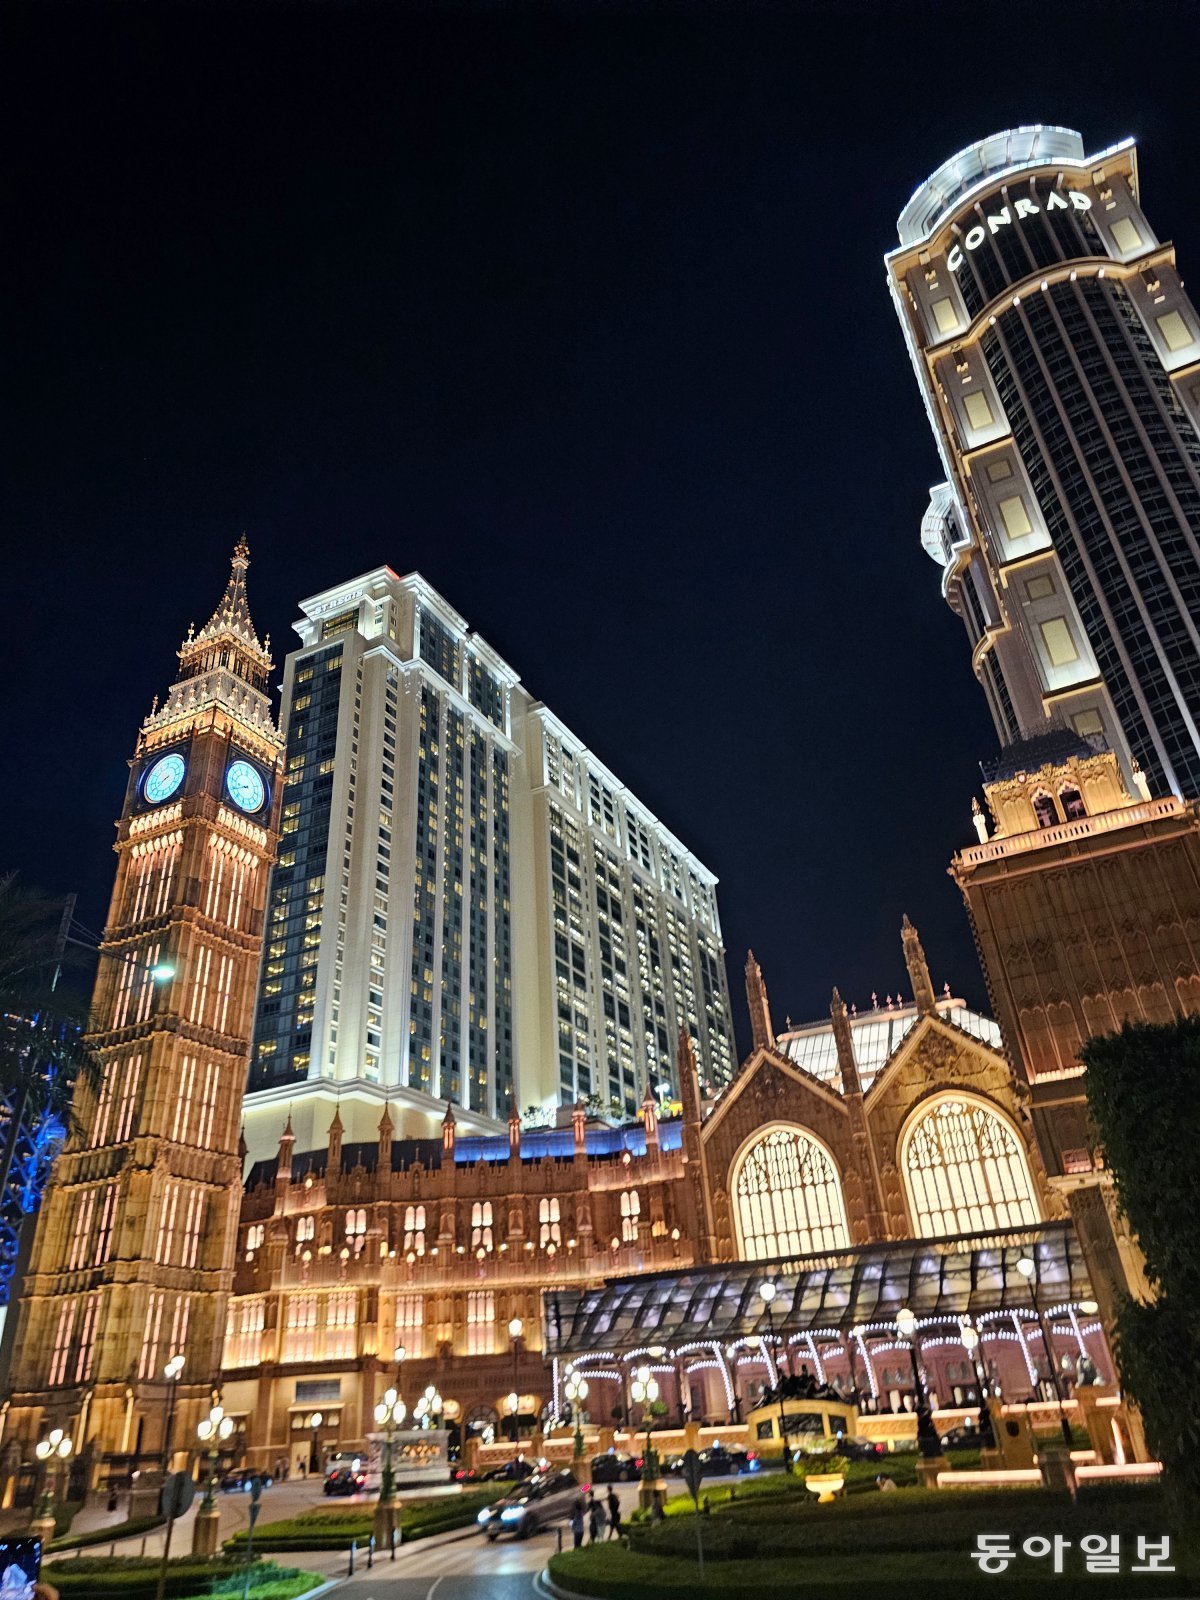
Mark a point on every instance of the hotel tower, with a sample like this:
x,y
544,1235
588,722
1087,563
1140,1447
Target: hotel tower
x,y
1059,361
468,907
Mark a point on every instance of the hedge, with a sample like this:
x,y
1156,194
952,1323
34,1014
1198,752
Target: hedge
x,y
337,1528
132,1577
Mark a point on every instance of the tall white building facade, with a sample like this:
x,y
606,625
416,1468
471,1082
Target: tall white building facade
x,y
1059,360
467,905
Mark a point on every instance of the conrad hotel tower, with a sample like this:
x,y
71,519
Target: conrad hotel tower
x,y
468,907
1059,360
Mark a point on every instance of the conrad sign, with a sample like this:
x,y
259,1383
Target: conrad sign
x,y
1057,200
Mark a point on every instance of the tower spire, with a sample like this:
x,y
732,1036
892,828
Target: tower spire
x,y
918,969
762,1034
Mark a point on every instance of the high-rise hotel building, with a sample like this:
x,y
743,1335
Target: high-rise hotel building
x,y
467,905
1059,361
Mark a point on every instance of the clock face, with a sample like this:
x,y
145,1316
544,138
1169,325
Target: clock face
x,y
163,778
246,788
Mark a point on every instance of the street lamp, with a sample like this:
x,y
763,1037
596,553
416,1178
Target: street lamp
x,y
515,1329
644,1391
212,1433
512,1403
314,1456
389,1414
928,1442
1027,1267
428,1408
766,1293
171,1372
970,1339
576,1392
53,1452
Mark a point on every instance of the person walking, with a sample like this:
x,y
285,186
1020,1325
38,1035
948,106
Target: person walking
x,y
596,1519
577,1521
614,1513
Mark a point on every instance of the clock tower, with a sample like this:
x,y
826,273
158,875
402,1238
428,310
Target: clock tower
x,y
134,1252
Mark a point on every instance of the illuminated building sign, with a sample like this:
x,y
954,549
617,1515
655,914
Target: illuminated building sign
x,y
1055,201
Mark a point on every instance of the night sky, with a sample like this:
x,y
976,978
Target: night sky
x,y
578,310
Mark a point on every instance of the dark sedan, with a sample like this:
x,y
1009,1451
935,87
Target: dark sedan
x,y
614,1466
964,1438
717,1462
346,1481
241,1480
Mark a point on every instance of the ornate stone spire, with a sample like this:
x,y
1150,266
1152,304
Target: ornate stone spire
x,y
848,1065
650,1118
283,1161
336,1130
762,1034
514,1131
386,1128
449,1124
918,969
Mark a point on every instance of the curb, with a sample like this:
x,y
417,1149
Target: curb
x,y
545,1586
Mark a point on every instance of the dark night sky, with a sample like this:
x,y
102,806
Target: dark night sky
x,y
580,311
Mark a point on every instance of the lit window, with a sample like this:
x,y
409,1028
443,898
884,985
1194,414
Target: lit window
x,y
1174,330
414,1229
481,1225
1016,518
788,1197
549,1219
631,1211
1060,646
966,1171
979,412
481,1322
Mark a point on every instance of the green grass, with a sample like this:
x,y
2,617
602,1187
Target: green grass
x,y
136,1577
754,1541
336,1528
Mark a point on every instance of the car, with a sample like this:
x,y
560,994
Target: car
x,y
345,1480
717,1462
511,1472
546,1498
241,1480
964,1438
859,1449
614,1466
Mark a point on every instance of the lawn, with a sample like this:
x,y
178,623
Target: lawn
x,y
337,1527
864,1541
136,1578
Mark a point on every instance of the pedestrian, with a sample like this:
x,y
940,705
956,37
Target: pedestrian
x,y
596,1519
577,1521
883,1482
614,1513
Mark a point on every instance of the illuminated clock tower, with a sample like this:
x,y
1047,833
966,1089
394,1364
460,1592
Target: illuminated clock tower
x,y
133,1258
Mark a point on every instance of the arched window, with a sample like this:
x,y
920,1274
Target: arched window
x,y
1072,803
631,1214
788,1197
965,1170
305,1229
481,1225
550,1231
414,1229
1045,810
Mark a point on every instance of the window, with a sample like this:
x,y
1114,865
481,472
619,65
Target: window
x,y
965,1170
1015,517
306,1228
1174,330
999,470
243,1340
1072,803
631,1211
414,1229
299,1328
979,412
1060,646
410,1324
1041,586
255,1234
481,1225
1045,810
549,1221
1125,235
60,1349
788,1197
481,1322
356,1223
944,315
340,1319
1086,722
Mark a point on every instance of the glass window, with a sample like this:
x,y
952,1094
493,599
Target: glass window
x,y
945,315
999,470
979,412
1174,330
1125,234
788,1197
1060,646
1016,518
1041,586
965,1170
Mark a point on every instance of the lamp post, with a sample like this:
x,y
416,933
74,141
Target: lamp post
x,y
1027,1267
515,1329
511,1404
212,1433
576,1392
644,1391
314,1454
970,1339
766,1293
389,1414
171,1373
928,1442
53,1452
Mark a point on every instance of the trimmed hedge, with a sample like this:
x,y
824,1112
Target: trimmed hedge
x,y
337,1528
133,1577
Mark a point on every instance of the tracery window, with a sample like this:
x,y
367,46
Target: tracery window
x,y
550,1223
965,1170
631,1212
481,1322
788,1197
414,1229
481,1225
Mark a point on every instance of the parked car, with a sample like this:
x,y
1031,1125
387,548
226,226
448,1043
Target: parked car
x,y
345,1480
717,1462
241,1480
615,1466
511,1472
543,1499
859,1449
962,1438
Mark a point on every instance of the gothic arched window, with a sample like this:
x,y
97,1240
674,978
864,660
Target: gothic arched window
x,y
965,1170
788,1197
1072,803
1045,810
